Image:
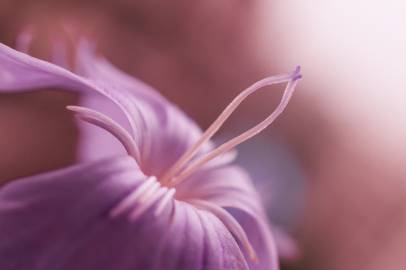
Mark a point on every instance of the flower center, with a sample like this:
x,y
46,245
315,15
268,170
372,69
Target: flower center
x,y
161,192
145,195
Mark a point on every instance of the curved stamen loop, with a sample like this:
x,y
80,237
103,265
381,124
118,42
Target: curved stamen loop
x,y
191,152
108,124
237,140
242,137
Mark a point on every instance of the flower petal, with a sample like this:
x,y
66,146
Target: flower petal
x,y
222,185
260,236
20,72
60,220
168,131
230,187
161,131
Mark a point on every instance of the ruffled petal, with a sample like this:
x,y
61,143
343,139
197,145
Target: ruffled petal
x,y
230,187
60,220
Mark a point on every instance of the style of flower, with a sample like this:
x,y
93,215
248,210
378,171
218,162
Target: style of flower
x,y
174,201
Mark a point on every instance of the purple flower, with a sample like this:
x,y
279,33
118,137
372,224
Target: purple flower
x,y
172,201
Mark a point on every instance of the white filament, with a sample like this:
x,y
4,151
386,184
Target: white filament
x,y
138,211
133,197
164,202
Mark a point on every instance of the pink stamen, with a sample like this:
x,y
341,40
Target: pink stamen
x,y
60,53
24,40
133,197
108,124
148,193
164,202
139,210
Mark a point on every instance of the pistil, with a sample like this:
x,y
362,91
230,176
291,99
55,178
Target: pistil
x,y
177,173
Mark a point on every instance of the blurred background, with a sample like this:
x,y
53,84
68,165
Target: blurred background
x,y
330,168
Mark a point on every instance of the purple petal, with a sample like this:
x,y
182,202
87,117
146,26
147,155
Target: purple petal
x,y
168,131
259,234
92,137
161,131
20,72
231,187
60,220
222,185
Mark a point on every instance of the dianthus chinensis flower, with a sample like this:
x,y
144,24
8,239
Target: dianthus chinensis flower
x,y
173,201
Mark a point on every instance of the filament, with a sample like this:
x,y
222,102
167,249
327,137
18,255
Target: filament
x,y
133,197
231,224
164,202
108,124
138,211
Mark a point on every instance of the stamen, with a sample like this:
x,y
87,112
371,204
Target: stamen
x,y
24,40
60,53
148,193
133,197
242,137
191,152
108,124
224,159
138,211
229,221
164,202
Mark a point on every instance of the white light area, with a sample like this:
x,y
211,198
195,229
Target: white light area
x,y
353,55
